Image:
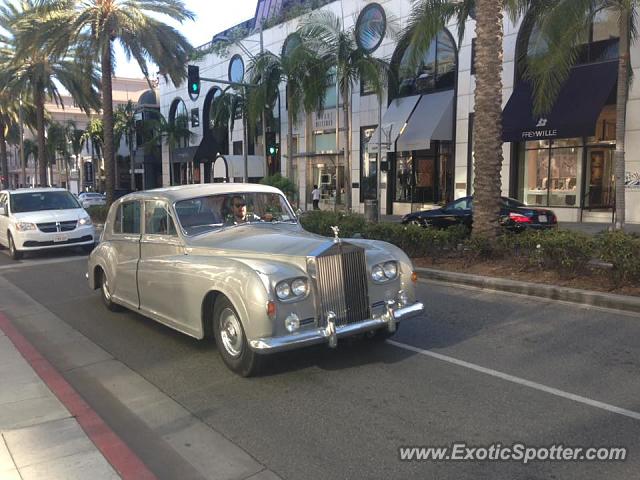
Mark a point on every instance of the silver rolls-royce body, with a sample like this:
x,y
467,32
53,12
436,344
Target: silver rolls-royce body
x,y
232,261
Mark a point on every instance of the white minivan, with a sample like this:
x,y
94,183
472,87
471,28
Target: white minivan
x,y
42,219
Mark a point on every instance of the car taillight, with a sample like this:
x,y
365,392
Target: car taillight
x,y
519,218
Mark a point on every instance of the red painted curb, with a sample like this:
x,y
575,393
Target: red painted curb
x,y
117,453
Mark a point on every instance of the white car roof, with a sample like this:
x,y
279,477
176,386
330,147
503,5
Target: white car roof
x,y
36,190
183,192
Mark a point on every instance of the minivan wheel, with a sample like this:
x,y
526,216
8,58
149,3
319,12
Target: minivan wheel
x,y
105,293
232,341
13,251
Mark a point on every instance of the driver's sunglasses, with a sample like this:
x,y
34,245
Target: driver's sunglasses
x,y
239,205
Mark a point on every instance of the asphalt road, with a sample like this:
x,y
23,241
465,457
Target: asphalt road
x,y
534,373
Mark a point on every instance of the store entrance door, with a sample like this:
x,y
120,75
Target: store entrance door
x,y
600,181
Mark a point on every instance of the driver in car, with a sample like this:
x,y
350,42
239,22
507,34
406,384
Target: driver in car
x,y
239,212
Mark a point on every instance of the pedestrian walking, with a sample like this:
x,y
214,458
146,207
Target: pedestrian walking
x,y
315,196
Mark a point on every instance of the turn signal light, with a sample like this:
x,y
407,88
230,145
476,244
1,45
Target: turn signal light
x,y
271,309
414,277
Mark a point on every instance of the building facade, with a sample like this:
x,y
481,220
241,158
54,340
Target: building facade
x,y
124,90
563,160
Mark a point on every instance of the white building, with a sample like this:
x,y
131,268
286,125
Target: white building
x,y
564,160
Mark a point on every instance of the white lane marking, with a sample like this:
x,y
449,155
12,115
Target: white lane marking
x,y
520,381
36,263
531,298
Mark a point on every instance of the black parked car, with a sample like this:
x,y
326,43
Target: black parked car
x,y
514,215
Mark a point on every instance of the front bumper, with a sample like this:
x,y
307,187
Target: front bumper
x,y
331,332
36,240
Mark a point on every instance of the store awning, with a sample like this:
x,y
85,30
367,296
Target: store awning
x,y
573,115
208,150
432,119
393,121
183,155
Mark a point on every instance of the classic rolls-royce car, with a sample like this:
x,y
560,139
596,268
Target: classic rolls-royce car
x,y
232,261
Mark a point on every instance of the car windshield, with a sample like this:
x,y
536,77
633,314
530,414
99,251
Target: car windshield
x,y
202,214
36,201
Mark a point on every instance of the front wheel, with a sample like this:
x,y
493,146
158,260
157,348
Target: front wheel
x,y
232,341
13,251
105,293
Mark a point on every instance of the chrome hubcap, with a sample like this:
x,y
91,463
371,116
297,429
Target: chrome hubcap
x,y
231,332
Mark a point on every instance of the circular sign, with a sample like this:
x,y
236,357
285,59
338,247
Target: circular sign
x,y
371,27
236,69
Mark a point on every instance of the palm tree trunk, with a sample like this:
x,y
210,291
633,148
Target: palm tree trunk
x,y
42,153
131,160
488,115
621,115
289,145
80,167
3,158
107,121
347,147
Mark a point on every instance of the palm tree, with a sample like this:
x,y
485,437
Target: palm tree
x,y
95,135
323,32
174,134
77,139
97,24
428,17
562,25
57,148
37,71
302,71
30,148
125,124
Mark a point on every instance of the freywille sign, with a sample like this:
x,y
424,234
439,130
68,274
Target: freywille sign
x,y
542,133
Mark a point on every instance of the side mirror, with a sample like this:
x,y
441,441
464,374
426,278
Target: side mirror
x,y
3,210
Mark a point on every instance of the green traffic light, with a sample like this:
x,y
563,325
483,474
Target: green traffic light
x,y
272,150
194,87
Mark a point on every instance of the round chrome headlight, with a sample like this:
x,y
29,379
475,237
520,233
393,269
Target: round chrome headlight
x,y
390,270
283,290
377,273
299,287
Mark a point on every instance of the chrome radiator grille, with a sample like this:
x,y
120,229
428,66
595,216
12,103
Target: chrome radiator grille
x,y
342,284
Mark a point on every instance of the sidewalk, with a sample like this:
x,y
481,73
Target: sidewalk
x,y
47,430
39,438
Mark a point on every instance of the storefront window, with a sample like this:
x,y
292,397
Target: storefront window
x,y
368,178
551,172
404,177
436,71
324,142
329,178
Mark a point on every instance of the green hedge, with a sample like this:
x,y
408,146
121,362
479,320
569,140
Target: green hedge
x,y
98,213
566,252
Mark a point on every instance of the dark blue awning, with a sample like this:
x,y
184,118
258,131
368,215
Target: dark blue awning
x,y
574,113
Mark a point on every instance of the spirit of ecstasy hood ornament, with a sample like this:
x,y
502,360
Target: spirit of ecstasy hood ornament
x,y
336,231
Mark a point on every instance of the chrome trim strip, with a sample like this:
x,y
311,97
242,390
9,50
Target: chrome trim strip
x,y
329,333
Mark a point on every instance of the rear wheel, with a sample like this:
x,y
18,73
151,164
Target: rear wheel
x,y
105,292
232,341
13,251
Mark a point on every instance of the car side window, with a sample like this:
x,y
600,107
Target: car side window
x,y
127,218
157,220
459,204
3,199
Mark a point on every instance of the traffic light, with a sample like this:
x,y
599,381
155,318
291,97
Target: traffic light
x,y
193,83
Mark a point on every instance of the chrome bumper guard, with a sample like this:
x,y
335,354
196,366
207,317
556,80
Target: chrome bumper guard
x,y
331,332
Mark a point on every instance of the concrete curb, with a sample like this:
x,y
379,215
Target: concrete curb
x,y
552,292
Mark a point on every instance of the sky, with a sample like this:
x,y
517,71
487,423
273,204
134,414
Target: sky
x,y
212,16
